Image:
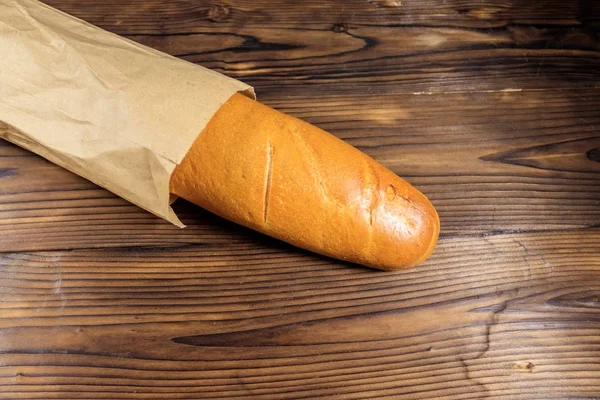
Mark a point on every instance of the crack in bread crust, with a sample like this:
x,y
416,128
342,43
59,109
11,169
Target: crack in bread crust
x,y
268,180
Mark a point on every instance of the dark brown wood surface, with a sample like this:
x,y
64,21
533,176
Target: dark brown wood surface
x,y
491,108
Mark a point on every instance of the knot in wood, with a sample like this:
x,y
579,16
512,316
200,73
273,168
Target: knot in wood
x,y
218,13
340,28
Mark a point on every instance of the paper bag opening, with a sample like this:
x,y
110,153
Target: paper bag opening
x,y
111,110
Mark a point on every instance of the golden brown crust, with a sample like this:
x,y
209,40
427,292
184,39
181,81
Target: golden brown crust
x,y
291,180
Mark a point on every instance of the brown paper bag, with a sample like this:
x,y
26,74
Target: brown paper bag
x,y
113,111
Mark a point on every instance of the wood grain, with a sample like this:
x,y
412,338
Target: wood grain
x,y
364,46
232,14
506,315
383,60
491,108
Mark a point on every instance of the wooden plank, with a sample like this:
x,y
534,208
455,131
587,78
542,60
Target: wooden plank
x,y
317,47
489,161
513,315
160,17
378,59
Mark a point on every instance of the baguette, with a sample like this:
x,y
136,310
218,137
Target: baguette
x,y
291,180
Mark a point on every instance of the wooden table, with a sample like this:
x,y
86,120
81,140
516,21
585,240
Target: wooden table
x,y
490,108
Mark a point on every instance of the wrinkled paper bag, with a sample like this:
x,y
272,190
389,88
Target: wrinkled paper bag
x,y
113,111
